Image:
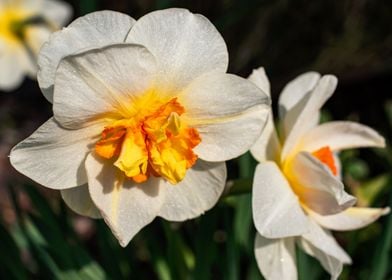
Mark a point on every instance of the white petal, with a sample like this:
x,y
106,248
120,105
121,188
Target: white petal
x,y
35,36
101,83
11,72
276,210
228,111
305,114
341,135
267,146
317,187
57,12
94,30
260,79
276,258
320,244
125,206
53,156
197,193
185,45
294,92
79,200
350,219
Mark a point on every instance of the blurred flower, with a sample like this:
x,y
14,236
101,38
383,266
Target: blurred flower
x,y
143,127
297,192
24,26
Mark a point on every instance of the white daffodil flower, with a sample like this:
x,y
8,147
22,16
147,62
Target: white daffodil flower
x,y
24,26
297,192
144,117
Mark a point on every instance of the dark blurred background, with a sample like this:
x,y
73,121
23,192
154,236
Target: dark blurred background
x,y
350,39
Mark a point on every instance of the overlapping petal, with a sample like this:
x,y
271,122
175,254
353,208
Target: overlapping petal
x,y
221,107
276,209
267,146
79,200
53,156
340,135
197,193
185,45
316,186
308,112
276,258
104,83
92,31
320,244
125,206
350,219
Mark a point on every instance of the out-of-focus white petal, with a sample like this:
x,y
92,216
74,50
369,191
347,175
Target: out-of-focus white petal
x,y
94,30
101,83
350,219
185,45
304,116
293,93
267,146
260,79
35,36
276,258
11,70
317,187
57,12
221,107
320,244
197,193
341,135
125,206
276,210
53,156
79,200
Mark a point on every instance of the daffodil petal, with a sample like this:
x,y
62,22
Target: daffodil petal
x,y
320,244
350,219
276,210
276,258
260,79
53,156
35,36
11,69
97,83
57,12
126,207
305,114
340,135
221,107
79,200
267,146
185,45
198,192
317,187
292,94
94,30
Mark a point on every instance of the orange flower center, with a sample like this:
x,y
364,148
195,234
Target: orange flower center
x,y
155,142
325,155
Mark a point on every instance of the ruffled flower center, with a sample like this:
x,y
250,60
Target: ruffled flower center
x,y
325,155
154,142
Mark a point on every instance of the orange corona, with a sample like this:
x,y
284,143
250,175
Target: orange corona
x,y
325,155
153,142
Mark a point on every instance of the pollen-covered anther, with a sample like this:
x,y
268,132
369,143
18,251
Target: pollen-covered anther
x,y
156,144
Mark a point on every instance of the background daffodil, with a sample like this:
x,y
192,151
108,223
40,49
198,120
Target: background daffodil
x,y
298,195
24,26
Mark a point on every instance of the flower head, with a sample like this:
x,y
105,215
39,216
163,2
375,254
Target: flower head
x,y
144,118
24,27
298,195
